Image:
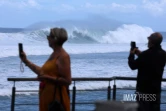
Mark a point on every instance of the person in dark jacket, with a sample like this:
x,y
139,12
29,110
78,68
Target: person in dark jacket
x,y
150,64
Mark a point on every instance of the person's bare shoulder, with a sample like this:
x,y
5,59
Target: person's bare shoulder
x,y
64,54
63,58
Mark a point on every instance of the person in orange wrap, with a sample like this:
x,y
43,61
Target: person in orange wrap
x,y
55,72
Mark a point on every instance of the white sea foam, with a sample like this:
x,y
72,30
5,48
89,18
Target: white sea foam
x,y
12,50
123,34
79,85
127,33
7,51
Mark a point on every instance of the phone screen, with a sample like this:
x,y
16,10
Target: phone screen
x,y
20,47
133,44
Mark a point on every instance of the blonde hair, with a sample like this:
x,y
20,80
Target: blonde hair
x,y
60,34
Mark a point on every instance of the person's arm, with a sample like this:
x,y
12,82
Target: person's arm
x,y
132,62
36,69
137,52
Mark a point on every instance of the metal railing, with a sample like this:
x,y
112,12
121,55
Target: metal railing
x,y
74,90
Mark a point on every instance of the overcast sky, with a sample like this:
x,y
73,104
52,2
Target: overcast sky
x,y
22,13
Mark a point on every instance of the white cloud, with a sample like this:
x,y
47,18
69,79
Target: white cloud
x,y
155,7
124,6
20,4
33,3
63,8
106,8
68,7
93,8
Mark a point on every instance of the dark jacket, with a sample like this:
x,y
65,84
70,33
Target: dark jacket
x,y
150,65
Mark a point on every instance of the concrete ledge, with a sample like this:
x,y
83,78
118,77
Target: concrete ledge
x,y
116,106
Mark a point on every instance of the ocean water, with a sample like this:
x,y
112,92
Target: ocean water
x,y
94,53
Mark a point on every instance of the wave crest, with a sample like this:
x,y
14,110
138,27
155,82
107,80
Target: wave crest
x,y
127,33
123,34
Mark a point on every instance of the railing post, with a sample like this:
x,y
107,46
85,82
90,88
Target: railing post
x,y
114,91
109,92
73,97
13,97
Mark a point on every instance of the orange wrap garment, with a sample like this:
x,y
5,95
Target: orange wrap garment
x,y
47,88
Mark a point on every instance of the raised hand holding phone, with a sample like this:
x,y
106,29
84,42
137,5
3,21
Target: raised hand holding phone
x,y
22,55
134,49
133,45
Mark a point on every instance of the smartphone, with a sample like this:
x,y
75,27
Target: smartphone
x,y
133,44
20,48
